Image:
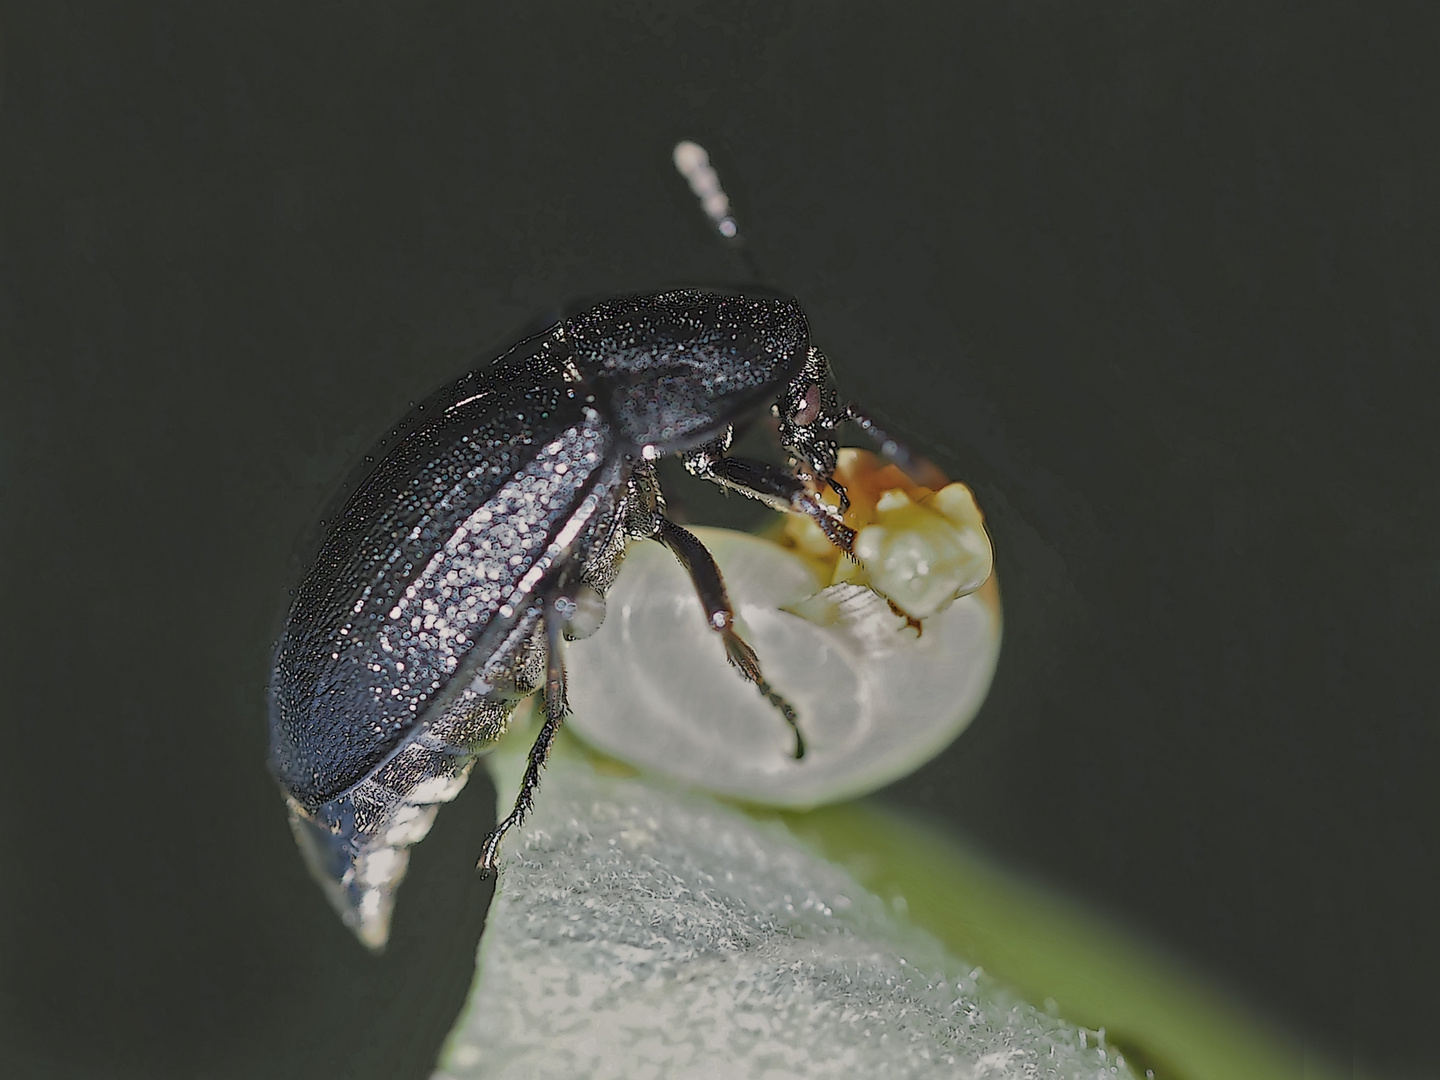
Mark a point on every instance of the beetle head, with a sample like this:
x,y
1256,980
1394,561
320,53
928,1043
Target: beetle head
x,y
809,409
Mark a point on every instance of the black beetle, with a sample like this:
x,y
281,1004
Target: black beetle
x,y
443,589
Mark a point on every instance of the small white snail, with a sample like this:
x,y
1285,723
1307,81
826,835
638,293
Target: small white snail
x,y
885,663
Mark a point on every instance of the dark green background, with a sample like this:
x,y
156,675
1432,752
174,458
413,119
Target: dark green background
x,y
1159,280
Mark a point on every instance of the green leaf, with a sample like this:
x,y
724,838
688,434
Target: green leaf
x,y
1053,950
644,930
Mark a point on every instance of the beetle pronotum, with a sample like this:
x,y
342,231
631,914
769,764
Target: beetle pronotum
x,y
490,528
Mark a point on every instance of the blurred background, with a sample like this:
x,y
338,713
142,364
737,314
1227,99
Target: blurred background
x,y
1159,282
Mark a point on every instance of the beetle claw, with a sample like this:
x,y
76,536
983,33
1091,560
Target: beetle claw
x,y
489,864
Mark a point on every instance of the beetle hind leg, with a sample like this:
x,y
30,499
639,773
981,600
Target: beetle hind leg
x,y
720,616
555,709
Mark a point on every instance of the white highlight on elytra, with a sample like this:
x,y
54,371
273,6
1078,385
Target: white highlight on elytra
x,y
692,161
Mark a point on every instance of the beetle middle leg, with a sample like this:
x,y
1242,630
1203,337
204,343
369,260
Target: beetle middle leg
x,y
705,574
555,710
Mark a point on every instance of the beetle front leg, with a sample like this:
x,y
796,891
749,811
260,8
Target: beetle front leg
x,y
774,487
720,616
555,710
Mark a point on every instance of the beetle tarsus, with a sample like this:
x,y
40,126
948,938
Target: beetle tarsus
x,y
555,709
743,657
911,623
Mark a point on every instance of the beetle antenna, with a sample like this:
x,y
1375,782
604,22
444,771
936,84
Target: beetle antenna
x,y
692,161
916,466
